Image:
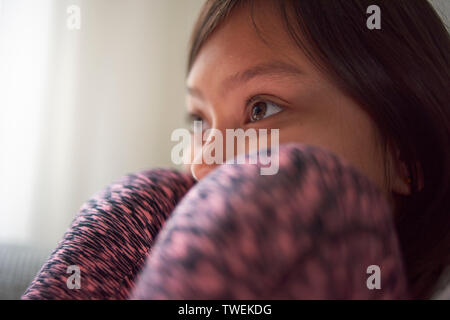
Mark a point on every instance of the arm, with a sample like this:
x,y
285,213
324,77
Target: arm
x,y
308,232
110,237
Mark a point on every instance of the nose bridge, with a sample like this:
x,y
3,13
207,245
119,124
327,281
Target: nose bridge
x,y
216,138
223,120
212,147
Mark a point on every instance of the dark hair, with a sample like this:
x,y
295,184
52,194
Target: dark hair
x,y
400,75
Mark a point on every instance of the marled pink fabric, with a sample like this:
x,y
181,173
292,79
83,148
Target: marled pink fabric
x,y
308,232
111,236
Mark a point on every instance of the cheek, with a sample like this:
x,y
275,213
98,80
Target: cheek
x,y
366,156
354,142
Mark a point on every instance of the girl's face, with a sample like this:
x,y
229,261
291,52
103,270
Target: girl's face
x,y
238,81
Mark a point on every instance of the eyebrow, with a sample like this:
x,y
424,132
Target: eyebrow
x,y
273,68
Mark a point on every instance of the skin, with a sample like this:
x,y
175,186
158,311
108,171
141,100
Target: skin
x,y
313,110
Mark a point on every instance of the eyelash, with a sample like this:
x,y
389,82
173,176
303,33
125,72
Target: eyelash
x,y
250,103
190,118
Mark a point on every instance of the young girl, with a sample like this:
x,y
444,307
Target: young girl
x,y
363,186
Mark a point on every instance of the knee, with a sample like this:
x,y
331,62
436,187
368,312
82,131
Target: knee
x,y
310,184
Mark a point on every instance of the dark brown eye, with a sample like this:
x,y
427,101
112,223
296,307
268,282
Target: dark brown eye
x,y
258,111
263,109
196,120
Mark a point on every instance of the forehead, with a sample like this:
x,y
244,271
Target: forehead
x,y
237,44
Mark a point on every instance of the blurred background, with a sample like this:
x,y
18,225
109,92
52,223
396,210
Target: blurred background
x,y
80,106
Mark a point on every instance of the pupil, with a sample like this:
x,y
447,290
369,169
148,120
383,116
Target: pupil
x,y
259,111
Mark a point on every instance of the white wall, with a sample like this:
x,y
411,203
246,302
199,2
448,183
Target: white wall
x,y
443,8
110,95
23,79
